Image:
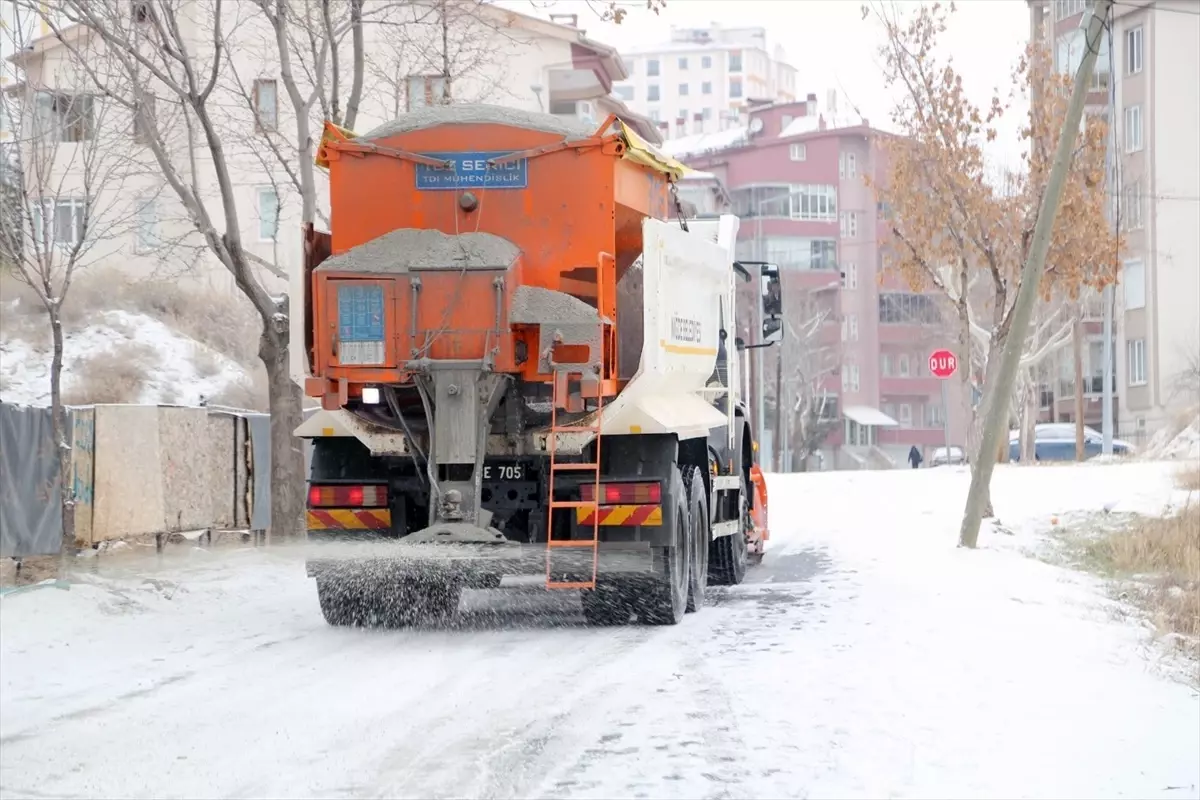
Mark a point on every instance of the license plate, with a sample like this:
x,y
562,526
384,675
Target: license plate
x,y
504,472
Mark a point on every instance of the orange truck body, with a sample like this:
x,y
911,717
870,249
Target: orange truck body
x,y
577,233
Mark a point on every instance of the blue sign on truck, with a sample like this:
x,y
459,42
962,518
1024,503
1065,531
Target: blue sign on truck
x,y
360,312
472,171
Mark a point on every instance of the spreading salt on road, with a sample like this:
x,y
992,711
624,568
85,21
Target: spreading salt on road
x,y
867,657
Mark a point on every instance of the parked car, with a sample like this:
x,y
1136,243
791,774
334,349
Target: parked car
x,y
1055,441
939,458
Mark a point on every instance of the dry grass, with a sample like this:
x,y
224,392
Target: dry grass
x,y
223,320
112,376
1189,478
1156,564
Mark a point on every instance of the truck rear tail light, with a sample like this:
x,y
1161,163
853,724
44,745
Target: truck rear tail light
x,y
347,496
633,493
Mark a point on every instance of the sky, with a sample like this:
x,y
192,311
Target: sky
x,y
832,47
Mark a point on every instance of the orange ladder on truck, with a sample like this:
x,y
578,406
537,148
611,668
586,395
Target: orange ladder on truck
x,y
561,383
562,399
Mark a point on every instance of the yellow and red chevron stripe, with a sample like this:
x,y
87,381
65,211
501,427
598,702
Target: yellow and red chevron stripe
x,y
621,515
349,519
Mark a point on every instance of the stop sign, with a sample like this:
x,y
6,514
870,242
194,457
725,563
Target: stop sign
x,y
942,363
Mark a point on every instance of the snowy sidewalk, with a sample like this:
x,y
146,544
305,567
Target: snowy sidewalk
x,y
867,657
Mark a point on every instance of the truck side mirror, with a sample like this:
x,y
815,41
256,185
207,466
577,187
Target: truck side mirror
x,y
772,304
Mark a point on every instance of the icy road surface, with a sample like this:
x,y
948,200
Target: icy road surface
x,y
868,657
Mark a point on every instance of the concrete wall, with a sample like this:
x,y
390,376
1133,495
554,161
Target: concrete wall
x,y
158,469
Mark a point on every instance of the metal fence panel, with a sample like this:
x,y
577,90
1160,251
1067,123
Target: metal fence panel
x,y
30,504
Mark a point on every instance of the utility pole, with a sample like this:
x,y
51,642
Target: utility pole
x,y
1031,277
1110,173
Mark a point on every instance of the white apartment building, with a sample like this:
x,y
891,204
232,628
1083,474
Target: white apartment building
x,y
1156,110
496,56
704,79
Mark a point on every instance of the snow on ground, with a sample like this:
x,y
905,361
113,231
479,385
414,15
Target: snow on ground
x,y
1183,446
867,657
176,376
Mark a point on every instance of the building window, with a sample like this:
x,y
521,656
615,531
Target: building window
x,y
652,92
1134,279
147,225
706,87
850,224
850,377
652,67
814,203
1133,51
902,363
67,221
706,62
735,60
625,92
682,115
683,90
885,366
65,117
266,104
841,165
851,165
798,152
933,415
735,87
905,415
1069,8
1137,361
853,326
143,120
904,308
850,276
268,214
1133,129
427,90
1132,205
683,63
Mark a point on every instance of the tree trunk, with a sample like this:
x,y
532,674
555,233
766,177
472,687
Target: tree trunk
x,y
62,445
287,457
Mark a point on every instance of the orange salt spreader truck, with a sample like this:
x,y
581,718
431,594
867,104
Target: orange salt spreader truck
x,y
521,350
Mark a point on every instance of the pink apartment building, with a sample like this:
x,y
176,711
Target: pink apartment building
x,y
795,179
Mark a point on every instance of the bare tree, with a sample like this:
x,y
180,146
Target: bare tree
x,y
810,359
953,229
171,54
1050,332
63,201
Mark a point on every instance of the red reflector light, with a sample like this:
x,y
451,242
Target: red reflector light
x,y
625,493
347,496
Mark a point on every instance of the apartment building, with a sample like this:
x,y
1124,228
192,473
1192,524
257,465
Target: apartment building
x,y
796,183
516,60
704,79
1144,84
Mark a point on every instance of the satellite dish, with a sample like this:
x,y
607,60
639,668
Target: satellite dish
x,y
756,125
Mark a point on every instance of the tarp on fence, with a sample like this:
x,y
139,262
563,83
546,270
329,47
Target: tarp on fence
x,y
260,443
30,504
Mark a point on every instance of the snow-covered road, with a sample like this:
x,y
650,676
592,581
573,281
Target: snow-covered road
x,y
867,657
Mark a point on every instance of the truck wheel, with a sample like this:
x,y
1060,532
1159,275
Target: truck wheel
x,y
605,606
698,532
728,554
664,601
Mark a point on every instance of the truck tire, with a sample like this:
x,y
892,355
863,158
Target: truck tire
x,y
699,531
606,605
663,600
728,555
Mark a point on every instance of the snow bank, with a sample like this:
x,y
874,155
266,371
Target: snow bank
x,y
1181,446
184,372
